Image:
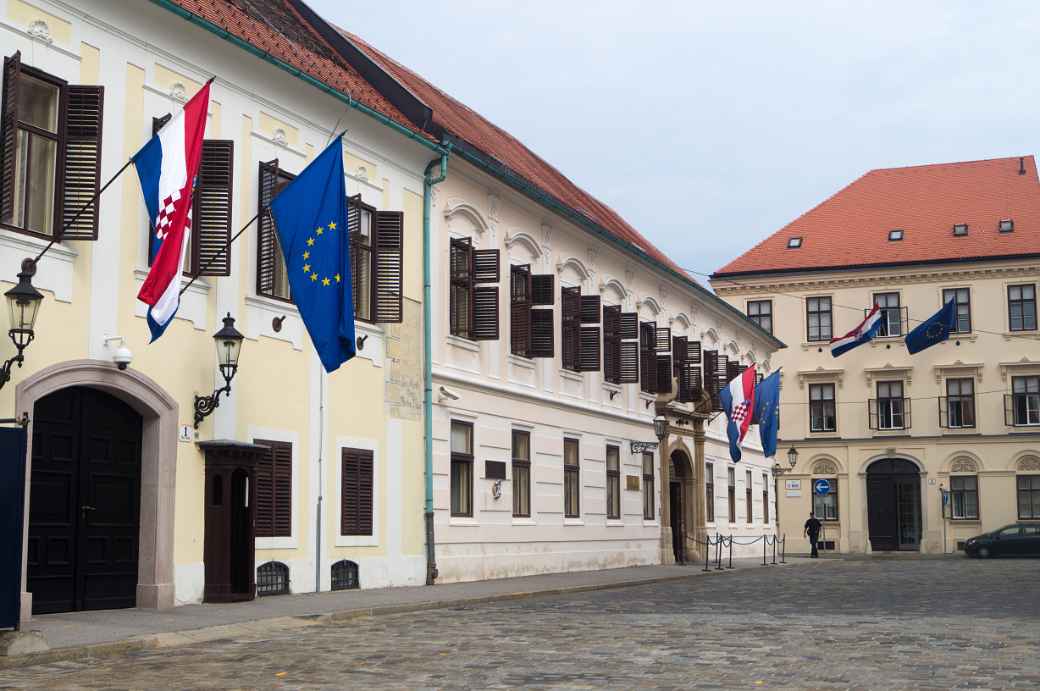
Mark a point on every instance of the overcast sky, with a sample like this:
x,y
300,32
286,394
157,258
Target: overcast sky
x,y
709,126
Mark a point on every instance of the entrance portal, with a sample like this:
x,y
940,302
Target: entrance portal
x,y
85,502
679,501
894,505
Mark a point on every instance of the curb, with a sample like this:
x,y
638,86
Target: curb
x,y
175,639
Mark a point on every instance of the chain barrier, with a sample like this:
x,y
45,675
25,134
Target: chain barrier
x,y
720,542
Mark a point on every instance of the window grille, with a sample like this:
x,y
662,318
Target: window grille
x,y
272,578
345,575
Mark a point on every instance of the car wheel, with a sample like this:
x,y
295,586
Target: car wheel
x,y
983,552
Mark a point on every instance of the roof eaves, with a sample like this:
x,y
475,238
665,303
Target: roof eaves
x,y
498,170
723,275
204,23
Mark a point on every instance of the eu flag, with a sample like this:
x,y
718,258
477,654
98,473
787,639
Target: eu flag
x,y
934,329
311,217
767,412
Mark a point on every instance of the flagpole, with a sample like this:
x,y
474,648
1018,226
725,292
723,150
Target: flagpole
x,y
223,249
83,208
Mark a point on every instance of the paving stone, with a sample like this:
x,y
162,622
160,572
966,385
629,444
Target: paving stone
x,y
860,624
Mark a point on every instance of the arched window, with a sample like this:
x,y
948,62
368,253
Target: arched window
x,y
1028,484
272,578
345,575
964,490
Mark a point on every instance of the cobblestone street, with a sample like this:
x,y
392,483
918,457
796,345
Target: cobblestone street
x,y
868,623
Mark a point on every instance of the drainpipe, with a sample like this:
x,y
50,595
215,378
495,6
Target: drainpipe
x,y
428,182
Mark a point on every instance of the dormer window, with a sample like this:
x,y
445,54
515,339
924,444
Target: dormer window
x,y
1006,225
794,243
894,235
960,229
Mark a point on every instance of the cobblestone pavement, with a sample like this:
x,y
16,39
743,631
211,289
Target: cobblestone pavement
x,y
870,623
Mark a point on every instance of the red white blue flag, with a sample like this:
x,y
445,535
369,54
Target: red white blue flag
x,y
167,166
863,333
738,402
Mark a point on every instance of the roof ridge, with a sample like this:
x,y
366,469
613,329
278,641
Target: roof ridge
x,y
949,164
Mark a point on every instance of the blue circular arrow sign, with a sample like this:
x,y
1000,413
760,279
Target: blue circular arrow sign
x,y
821,487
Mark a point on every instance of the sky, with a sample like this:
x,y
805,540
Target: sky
x,y
709,126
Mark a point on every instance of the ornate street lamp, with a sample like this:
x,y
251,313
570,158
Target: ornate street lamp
x,y
229,347
23,304
792,457
660,427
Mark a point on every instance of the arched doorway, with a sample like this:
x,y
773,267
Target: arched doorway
x,y
84,502
680,482
894,505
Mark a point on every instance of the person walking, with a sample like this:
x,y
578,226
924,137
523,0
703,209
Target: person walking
x,y
812,531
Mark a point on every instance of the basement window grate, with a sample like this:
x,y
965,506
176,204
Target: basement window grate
x,y
272,578
345,575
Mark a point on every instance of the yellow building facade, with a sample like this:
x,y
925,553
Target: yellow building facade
x,y
920,452
343,495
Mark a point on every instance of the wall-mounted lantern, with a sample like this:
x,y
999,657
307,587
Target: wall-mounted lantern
x,y
23,304
229,346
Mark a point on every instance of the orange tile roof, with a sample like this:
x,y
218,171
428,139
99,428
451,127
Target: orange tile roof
x,y
466,124
851,228
275,27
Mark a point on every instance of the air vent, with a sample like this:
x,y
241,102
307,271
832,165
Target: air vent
x,y
1006,225
794,243
894,235
960,229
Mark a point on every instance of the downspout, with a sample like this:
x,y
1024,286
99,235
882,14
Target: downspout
x,y
428,183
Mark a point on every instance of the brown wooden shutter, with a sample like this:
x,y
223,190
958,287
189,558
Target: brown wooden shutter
x,y
520,310
543,290
461,285
82,177
274,490
211,210
679,352
542,327
486,270
588,349
732,371
629,365
570,327
590,309
612,344
388,266
690,382
628,326
711,358
721,378
663,361
266,243
8,132
693,352
648,357
356,492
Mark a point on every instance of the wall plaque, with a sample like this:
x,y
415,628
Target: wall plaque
x,y
494,470
632,483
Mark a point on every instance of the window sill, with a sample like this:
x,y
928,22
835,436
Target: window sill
x,y
464,521
276,543
966,521
463,343
653,523
522,520
810,345
1028,333
570,375
573,521
56,266
194,303
521,362
615,523
824,434
357,541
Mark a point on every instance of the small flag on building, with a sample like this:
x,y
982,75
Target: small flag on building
x,y
167,166
767,412
310,215
864,333
738,401
934,329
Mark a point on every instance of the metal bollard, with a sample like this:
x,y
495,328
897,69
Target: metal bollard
x,y
774,550
718,552
730,552
764,550
707,548
783,550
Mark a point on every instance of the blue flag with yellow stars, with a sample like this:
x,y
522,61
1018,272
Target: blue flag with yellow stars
x,y
311,217
934,329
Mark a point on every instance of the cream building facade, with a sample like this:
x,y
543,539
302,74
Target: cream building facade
x,y
920,451
345,486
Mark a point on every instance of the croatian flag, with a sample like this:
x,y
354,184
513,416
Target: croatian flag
x,y
738,401
167,166
863,333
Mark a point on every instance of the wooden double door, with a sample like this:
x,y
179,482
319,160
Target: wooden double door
x,y
894,505
84,505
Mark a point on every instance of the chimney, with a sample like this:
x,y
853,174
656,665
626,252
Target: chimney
x,y
1021,165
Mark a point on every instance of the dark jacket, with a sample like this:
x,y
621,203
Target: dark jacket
x,y
813,527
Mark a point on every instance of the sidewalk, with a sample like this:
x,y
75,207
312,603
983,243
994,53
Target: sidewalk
x,y
77,634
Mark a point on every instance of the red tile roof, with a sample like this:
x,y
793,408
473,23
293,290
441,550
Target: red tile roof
x,y
466,124
274,27
851,228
